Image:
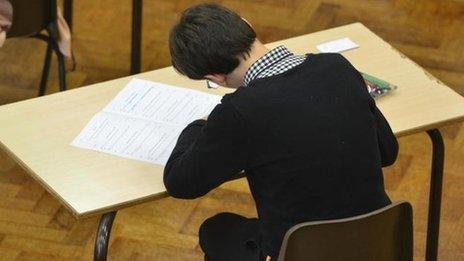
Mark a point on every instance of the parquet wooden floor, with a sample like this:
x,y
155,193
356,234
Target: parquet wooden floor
x,y
34,226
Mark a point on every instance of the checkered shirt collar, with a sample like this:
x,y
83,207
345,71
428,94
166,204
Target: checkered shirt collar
x,y
263,63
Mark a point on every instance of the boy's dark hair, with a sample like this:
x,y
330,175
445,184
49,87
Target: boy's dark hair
x,y
209,39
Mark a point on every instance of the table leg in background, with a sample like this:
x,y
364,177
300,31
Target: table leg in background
x,y
136,36
436,183
103,236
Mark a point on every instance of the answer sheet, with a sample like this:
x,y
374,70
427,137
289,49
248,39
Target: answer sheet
x,y
144,120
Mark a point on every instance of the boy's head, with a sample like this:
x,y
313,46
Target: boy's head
x,y
208,41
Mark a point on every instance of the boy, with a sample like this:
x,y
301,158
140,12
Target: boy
x,y
303,128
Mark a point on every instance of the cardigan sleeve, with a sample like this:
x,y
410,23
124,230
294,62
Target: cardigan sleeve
x,y
207,154
388,145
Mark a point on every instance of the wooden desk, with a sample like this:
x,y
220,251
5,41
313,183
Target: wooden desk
x,y
37,132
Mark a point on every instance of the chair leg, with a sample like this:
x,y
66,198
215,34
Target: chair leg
x,y
45,71
61,69
68,12
136,42
52,45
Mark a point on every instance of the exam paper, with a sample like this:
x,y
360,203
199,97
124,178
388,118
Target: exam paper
x,y
144,121
163,103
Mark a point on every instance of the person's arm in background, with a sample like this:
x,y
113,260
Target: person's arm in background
x,y
207,154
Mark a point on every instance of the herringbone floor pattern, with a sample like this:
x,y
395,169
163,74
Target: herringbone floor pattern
x,y
34,226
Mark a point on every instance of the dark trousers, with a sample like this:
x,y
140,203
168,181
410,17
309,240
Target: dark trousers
x,y
228,236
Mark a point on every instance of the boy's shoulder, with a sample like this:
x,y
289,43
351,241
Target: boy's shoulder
x,y
236,96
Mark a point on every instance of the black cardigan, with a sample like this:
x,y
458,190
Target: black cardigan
x,y
311,141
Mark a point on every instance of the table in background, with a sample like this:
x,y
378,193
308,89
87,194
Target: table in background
x,y
37,132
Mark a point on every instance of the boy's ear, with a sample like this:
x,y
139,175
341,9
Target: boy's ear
x,y
219,79
246,21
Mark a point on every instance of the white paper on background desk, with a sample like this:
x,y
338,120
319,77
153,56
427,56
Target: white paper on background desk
x,y
144,120
337,46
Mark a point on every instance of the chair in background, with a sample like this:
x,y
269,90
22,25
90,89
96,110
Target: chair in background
x,y
383,235
30,18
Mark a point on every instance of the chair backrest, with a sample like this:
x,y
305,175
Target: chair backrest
x,y
31,16
383,235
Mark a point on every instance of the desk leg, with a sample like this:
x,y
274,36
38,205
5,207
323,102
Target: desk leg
x,y
67,14
103,236
436,182
136,36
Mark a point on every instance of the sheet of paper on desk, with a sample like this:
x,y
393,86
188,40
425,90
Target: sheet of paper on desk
x,y
160,102
144,121
337,46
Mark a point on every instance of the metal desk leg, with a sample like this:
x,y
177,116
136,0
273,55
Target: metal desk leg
x,y
103,236
68,13
436,182
136,36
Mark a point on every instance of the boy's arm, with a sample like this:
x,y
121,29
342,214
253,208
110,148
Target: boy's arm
x,y
388,144
207,154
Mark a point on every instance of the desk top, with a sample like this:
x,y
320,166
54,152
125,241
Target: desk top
x,y
37,132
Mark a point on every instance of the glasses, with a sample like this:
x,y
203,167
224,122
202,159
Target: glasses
x,y
211,85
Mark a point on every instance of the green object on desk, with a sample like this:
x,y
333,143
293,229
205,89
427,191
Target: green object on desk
x,y
376,86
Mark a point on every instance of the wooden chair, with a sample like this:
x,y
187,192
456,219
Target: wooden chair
x,y
30,18
383,235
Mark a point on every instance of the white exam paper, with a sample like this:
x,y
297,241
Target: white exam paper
x,y
337,46
144,121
